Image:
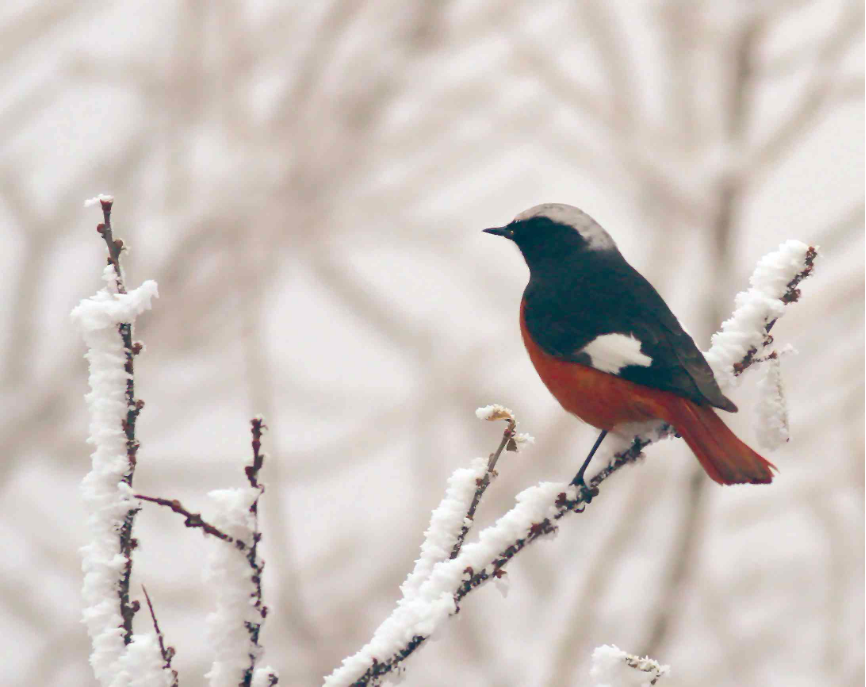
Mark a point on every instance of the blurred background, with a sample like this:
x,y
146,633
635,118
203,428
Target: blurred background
x,y
307,183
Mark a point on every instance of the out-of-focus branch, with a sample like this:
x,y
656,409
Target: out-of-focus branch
x,y
586,605
818,90
611,666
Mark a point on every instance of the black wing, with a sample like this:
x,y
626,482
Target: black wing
x,y
608,296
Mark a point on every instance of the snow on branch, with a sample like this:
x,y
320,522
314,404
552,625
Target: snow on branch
x,y
773,285
236,572
613,667
121,658
106,320
434,590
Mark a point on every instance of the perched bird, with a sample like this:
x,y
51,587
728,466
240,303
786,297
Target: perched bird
x,y
610,350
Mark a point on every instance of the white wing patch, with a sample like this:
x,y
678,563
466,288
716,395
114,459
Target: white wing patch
x,y
570,216
612,352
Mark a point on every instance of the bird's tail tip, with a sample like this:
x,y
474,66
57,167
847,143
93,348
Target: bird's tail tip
x,y
725,458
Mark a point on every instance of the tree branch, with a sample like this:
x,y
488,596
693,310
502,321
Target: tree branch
x,y
433,595
193,520
107,487
507,440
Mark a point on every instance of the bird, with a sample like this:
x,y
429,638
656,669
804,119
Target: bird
x,y
610,350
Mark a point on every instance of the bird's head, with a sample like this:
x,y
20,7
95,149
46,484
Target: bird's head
x,y
553,231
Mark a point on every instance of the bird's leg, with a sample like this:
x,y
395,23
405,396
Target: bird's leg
x,y
578,478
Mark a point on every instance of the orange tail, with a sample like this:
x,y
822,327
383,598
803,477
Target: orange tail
x,y
725,458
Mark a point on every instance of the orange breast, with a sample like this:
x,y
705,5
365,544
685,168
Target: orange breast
x,y
599,398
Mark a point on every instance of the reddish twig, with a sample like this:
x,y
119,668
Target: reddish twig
x,y
193,520
167,652
115,246
482,484
134,407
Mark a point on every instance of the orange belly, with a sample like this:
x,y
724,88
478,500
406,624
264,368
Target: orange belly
x,y
599,398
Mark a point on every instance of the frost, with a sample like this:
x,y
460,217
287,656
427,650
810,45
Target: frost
x,y
494,412
98,199
613,667
264,677
524,438
107,308
229,572
106,496
755,308
772,412
446,523
432,603
142,665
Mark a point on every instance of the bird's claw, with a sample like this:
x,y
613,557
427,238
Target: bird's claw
x,y
584,492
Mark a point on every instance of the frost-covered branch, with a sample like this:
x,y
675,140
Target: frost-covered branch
x,y
773,285
434,590
613,666
510,440
236,572
106,322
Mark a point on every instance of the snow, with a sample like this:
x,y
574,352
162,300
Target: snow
x,y
428,593
524,438
612,352
142,665
754,309
613,667
264,677
771,416
98,199
107,498
494,412
446,523
229,572
107,308
432,603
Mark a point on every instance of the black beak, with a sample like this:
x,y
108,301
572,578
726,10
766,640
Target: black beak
x,y
507,232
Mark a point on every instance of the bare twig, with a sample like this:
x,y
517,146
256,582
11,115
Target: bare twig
x,y
115,246
507,441
167,652
193,520
818,90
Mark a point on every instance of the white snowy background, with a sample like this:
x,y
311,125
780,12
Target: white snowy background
x,y
307,184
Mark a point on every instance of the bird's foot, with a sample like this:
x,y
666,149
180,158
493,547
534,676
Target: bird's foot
x,y
584,492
